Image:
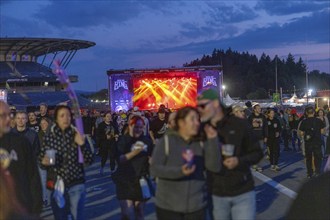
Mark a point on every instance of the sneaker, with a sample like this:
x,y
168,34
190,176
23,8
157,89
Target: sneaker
x,y
272,167
259,169
45,203
277,168
316,175
267,157
309,176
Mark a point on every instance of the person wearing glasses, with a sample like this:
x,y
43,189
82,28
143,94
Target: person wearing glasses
x,y
232,188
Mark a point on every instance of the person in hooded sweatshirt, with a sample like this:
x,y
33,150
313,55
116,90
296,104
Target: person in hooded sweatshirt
x,y
179,162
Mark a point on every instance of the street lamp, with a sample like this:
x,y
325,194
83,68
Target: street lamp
x,y
310,92
223,89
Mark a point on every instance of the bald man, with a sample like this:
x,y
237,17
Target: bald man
x,y
17,157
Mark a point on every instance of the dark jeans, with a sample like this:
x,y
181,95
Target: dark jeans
x,y
163,214
310,151
294,139
285,138
74,204
106,152
274,150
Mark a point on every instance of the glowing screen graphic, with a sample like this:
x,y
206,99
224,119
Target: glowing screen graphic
x,y
174,92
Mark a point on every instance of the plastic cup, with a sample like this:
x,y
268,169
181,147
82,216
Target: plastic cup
x,y
228,150
51,153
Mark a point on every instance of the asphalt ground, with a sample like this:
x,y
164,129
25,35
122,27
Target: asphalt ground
x,y
274,190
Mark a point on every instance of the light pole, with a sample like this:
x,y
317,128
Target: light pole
x,y
276,74
224,90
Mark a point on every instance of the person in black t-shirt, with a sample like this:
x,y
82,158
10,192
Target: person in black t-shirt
x,y
311,129
274,130
158,126
33,123
106,134
89,123
260,129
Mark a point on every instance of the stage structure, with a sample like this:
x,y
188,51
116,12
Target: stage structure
x,y
149,88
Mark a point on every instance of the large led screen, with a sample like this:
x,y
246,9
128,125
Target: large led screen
x,y
173,92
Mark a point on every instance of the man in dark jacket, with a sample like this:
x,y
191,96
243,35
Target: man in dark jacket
x,y
22,130
232,188
18,158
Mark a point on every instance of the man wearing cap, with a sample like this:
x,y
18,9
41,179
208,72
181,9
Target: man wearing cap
x,y
260,129
158,126
232,188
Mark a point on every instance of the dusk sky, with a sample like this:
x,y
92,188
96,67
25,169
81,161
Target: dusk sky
x,y
144,34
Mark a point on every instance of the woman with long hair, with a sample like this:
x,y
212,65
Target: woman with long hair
x,y
321,115
178,162
133,151
68,195
44,126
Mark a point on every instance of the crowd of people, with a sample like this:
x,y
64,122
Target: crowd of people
x,y
200,156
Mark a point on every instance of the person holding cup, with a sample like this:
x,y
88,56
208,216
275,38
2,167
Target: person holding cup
x,y
178,162
133,152
59,154
232,188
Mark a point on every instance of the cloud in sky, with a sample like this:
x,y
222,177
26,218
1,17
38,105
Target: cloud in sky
x,y
166,33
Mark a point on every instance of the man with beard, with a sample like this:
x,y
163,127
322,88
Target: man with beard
x,y
232,188
33,123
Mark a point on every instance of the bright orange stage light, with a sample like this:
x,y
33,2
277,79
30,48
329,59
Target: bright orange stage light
x,y
173,92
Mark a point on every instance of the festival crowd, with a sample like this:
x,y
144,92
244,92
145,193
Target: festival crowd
x,y
196,162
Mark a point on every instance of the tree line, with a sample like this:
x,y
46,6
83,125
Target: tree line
x,y
248,77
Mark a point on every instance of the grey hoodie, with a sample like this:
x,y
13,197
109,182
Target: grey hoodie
x,y
175,191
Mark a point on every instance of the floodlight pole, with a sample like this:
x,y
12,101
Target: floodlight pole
x,y
276,74
306,84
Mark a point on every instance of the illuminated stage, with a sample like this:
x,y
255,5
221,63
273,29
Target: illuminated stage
x,y
147,89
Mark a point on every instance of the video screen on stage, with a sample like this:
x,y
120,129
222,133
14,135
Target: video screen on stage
x,y
173,92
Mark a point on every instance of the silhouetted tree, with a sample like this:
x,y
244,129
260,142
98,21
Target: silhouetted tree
x,y
246,76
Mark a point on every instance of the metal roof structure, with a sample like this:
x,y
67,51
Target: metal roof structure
x,y
40,46
164,70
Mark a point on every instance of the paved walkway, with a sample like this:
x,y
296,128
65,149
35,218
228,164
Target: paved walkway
x,y
275,191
